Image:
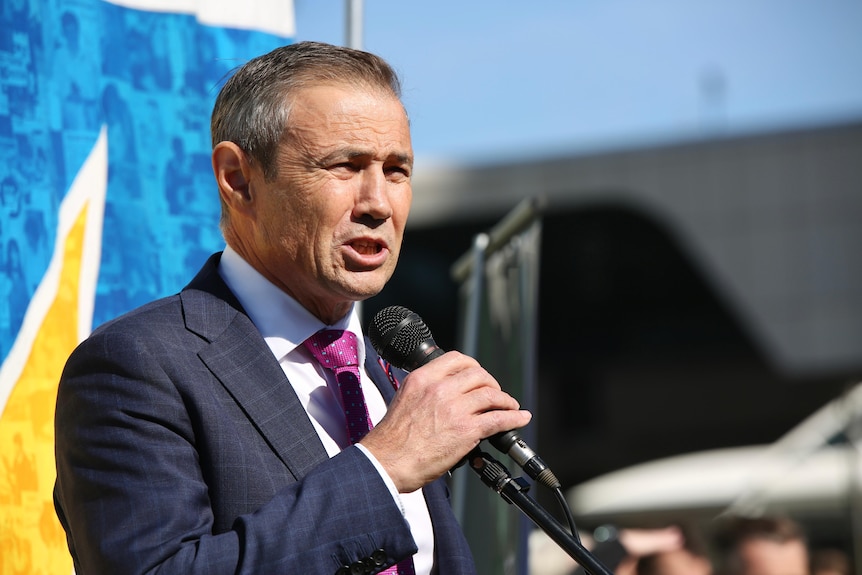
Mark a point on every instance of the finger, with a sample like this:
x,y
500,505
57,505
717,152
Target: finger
x,y
493,422
454,364
484,399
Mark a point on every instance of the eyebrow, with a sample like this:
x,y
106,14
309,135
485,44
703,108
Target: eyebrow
x,y
404,159
353,153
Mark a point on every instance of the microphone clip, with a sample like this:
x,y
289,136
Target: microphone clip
x,y
512,445
495,475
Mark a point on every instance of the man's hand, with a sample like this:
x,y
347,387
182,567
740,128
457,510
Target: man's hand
x,y
442,411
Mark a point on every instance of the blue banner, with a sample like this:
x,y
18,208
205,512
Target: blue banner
x,y
108,201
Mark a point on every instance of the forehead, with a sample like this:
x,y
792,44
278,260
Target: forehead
x,y
774,557
336,107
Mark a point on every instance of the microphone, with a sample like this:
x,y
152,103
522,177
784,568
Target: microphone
x,y
401,337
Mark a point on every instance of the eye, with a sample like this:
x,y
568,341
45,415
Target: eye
x,y
397,173
344,168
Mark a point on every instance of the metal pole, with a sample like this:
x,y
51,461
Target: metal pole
x,y
469,346
353,39
853,430
353,28
520,218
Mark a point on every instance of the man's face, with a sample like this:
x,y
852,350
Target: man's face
x,y
328,228
763,557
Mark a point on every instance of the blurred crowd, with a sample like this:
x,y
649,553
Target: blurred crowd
x,y
774,545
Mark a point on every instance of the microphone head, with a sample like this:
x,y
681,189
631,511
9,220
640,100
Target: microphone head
x,y
400,337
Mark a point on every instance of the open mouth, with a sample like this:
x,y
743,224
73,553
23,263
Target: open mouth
x,y
366,248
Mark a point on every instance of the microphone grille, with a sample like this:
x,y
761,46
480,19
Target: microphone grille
x,y
396,332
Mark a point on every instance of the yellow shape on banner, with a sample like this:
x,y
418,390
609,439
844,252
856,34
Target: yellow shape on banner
x,y
31,538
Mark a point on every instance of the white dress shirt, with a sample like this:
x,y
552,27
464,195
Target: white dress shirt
x,y
285,325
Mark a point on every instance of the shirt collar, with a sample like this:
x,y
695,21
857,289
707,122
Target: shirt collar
x,y
281,320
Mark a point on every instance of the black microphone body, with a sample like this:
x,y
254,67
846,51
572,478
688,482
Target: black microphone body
x,y
401,337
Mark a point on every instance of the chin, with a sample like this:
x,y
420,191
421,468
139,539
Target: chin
x,y
366,284
367,294
359,294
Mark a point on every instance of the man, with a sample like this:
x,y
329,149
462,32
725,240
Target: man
x,y
762,546
667,550
677,562
203,434
689,558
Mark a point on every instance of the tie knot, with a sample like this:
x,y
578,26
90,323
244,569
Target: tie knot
x,y
334,348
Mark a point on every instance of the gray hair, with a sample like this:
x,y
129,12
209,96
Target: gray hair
x,y
253,106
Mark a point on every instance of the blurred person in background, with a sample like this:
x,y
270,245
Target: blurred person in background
x,y
618,549
830,562
761,546
691,558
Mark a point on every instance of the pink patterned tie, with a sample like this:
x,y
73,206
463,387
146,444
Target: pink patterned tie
x,y
337,351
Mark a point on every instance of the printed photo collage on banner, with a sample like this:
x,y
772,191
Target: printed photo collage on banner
x,y
145,80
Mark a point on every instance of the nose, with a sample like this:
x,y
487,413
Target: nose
x,y
372,197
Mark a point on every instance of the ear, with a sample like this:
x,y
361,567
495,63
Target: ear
x,y
233,175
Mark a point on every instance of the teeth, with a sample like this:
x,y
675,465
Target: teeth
x,y
365,248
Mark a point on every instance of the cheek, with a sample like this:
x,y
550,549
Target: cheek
x,y
401,202
287,230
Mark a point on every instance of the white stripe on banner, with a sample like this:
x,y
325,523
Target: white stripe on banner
x,y
87,190
273,16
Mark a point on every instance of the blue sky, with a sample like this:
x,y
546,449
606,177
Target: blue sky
x,y
498,81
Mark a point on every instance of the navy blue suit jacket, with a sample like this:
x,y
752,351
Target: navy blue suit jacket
x,y
182,448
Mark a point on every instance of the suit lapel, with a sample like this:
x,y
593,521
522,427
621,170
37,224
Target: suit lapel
x,y
240,360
